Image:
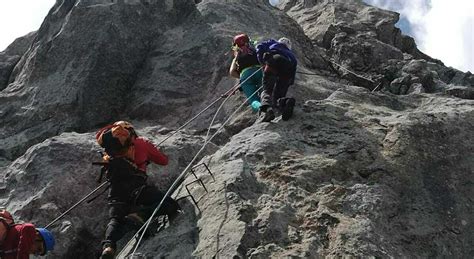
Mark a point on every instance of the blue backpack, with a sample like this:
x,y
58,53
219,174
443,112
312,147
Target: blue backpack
x,y
273,46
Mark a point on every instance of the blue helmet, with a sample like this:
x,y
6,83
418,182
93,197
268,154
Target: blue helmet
x,y
48,239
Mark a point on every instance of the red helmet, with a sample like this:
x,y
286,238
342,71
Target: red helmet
x,y
240,40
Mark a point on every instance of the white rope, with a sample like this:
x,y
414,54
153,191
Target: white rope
x,y
181,176
207,140
351,72
225,100
231,90
377,87
228,93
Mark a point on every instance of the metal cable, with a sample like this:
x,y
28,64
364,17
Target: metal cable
x,y
77,204
351,72
228,93
181,176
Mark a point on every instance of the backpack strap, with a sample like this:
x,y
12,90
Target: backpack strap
x,y
120,168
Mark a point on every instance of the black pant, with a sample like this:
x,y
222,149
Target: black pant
x,y
124,196
277,77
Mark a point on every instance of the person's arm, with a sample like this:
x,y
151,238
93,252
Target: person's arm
x,y
154,154
27,240
233,68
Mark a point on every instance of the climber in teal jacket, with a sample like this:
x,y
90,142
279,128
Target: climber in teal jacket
x,y
246,67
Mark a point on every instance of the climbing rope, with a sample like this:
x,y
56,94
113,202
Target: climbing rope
x,y
351,72
328,62
77,204
225,100
309,74
227,94
207,140
183,173
377,87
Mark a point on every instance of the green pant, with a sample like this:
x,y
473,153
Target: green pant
x,y
252,80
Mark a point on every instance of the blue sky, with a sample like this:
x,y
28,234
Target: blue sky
x,y
274,2
19,17
443,29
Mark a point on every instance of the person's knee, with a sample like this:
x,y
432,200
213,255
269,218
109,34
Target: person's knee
x,y
114,222
118,211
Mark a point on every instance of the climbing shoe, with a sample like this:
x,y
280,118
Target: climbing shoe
x,y
108,253
287,110
268,115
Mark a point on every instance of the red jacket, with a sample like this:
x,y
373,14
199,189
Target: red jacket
x,y
146,151
19,240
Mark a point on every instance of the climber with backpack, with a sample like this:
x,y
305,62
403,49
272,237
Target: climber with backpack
x,y
126,157
279,73
19,241
246,67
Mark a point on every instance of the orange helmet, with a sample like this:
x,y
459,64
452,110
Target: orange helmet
x,y
124,124
127,125
240,40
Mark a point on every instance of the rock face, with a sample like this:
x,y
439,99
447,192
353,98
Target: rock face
x,y
365,40
10,57
354,173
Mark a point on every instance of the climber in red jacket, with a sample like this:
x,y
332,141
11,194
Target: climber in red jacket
x,y
127,157
22,240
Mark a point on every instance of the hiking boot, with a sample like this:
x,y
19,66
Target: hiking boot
x,y
108,253
268,115
281,103
287,110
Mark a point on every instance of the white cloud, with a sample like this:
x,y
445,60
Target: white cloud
x,y
274,2
450,32
442,29
19,17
